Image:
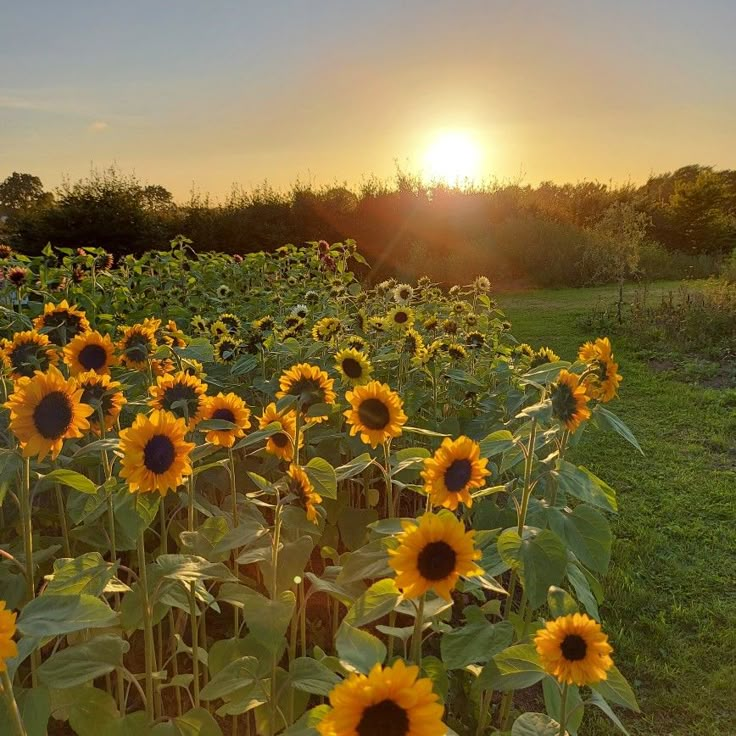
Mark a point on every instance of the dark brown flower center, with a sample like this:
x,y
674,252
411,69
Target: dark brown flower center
x,y
53,415
181,399
436,561
280,439
401,317
159,454
573,648
458,475
352,368
224,414
374,414
92,357
386,718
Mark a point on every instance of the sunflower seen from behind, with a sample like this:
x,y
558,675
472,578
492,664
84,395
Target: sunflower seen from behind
x,y
353,366
27,352
455,469
376,413
230,408
281,443
433,552
303,490
310,385
389,701
90,351
182,394
62,321
569,400
8,647
155,454
602,377
45,410
574,649
104,396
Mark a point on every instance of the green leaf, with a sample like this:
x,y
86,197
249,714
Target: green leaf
x,y
560,602
378,601
615,689
434,668
496,443
322,476
581,483
134,724
553,703
199,348
311,676
476,642
424,432
55,615
583,591
88,573
597,700
307,724
606,419
519,667
544,373
190,569
535,724
358,649
196,722
232,677
35,710
370,561
353,525
79,664
292,561
356,466
587,533
69,478
86,708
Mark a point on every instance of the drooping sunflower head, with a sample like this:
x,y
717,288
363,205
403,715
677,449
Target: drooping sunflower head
x,y
172,335
17,275
231,321
400,317
104,396
456,351
389,701
8,648
45,410
376,413
227,349
602,377
155,456
433,553
574,649
475,340
403,294
306,497
326,328
543,356
90,351
27,353
569,400
199,323
354,366
137,345
181,394
412,342
310,385
281,443
61,321
229,408
455,469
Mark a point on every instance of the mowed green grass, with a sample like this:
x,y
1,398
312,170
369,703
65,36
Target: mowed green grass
x,y
670,606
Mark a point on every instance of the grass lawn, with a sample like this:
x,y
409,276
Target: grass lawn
x,y
670,606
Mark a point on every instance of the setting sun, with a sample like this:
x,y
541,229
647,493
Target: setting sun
x,y
453,157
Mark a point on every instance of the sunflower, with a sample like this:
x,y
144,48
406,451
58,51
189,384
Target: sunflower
x,y
45,410
326,328
230,408
231,321
450,326
482,285
525,349
475,340
569,400
28,352
90,351
354,366
544,356
433,553
226,349
301,311
401,317
471,319
602,379
62,320
161,367
389,701
193,368
182,394
574,650
403,294
102,394
378,324
430,324
455,469
376,413
172,335
292,320
264,324
361,320
281,443
302,488
311,386
312,296
8,648
5,251
219,329
155,456
137,345
460,308
199,323
356,342
17,275
223,290
456,351
413,342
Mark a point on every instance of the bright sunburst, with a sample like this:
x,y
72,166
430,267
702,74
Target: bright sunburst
x,y
453,157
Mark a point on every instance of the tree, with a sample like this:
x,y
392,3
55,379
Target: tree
x,y
21,191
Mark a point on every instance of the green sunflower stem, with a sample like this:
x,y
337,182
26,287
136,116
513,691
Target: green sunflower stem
x,y
416,640
390,510
195,644
561,453
147,624
528,465
234,500
563,710
16,722
62,519
274,594
27,524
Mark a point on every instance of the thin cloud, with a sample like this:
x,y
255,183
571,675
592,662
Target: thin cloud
x,y
98,126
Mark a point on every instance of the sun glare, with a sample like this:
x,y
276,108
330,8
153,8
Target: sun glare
x,y
453,157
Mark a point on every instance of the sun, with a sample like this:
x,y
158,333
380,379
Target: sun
x,y
453,157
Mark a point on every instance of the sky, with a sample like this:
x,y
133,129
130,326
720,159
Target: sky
x,y
203,95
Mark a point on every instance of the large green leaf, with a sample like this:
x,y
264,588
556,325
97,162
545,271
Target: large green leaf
x,y
86,709
54,615
311,676
581,483
616,690
378,601
70,478
587,533
232,677
476,642
518,666
535,724
189,569
89,573
323,478
196,722
358,649
606,419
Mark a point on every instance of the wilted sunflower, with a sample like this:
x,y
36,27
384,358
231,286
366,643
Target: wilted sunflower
x,y
90,351
356,342
27,353
8,648
354,367
45,410
230,408
403,294
281,443
182,394
155,456
475,340
602,379
376,413
61,321
455,469
433,553
456,351
219,329
311,386
199,323
137,345
227,349
223,290
543,356
574,650
17,275
401,317
569,400
326,328
102,394
390,701
302,488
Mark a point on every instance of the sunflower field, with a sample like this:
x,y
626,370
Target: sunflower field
x,y
256,495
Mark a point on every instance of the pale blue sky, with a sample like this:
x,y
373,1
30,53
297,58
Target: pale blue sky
x,y
211,93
